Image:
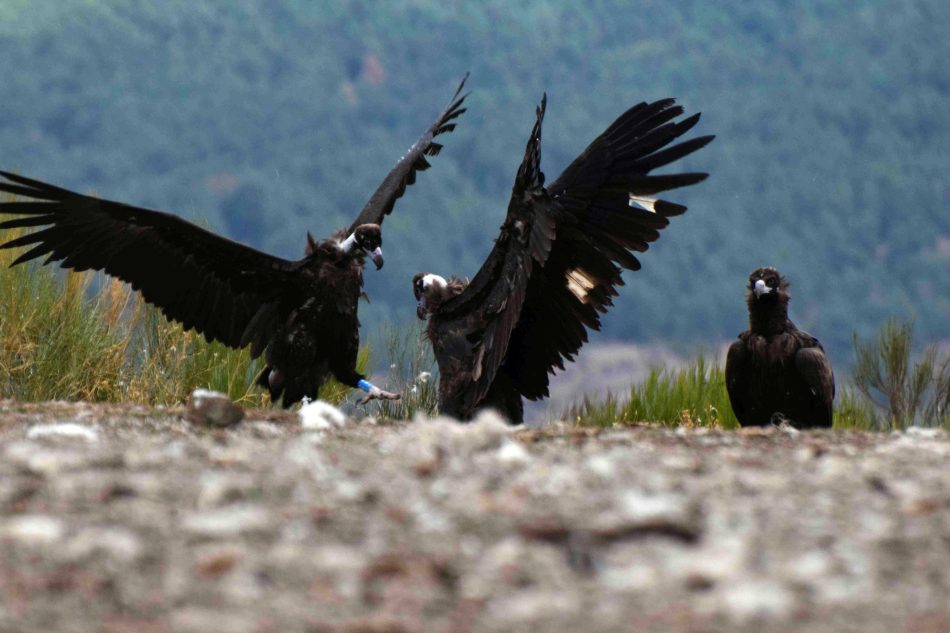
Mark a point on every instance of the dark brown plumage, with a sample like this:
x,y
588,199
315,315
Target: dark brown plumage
x,y
556,263
301,314
775,371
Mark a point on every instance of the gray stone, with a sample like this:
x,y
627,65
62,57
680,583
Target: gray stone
x,y
211,408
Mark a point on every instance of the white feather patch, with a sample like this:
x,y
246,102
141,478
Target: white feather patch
x,y
348,243
579,283
642,202
430,279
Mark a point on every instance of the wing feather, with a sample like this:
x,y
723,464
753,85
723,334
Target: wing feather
x,y
597,211
203,280
497,292
403,174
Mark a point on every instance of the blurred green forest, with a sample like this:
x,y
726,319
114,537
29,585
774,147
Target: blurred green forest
x,y
266,119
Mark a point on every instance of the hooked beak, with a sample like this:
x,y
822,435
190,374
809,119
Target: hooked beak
x,y
760,288
377,256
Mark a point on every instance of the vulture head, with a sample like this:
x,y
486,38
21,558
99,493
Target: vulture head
x,y
432,290
369,239
767,286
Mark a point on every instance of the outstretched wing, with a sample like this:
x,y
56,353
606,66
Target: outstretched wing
x,y
203,280
495,296
554,281
383,200
608,207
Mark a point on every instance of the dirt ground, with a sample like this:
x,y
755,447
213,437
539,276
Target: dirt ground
x,y
122,519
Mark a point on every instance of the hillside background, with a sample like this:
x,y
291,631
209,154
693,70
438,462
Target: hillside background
x,y
269,119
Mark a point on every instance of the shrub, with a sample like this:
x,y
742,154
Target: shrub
x,y
905,392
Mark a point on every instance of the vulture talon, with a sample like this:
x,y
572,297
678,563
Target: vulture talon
x,y
375,393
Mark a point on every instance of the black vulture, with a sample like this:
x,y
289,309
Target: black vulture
x,y
302,315
775,371
556,263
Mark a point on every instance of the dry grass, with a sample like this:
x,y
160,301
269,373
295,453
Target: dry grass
x,y
83,336
693,396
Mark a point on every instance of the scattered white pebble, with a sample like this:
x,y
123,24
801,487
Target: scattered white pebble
x,y
116,543
34,529
642,507
759,598
602,466
512,453
320,415
925,433
229,521
64,429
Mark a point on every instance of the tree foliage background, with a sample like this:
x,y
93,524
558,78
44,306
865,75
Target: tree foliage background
x,y
266,119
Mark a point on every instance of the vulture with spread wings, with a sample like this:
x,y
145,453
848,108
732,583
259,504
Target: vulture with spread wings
x,y
301,314
556,263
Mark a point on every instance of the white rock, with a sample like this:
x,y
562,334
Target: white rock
x,y
641,507
925,433
115,542
530,607
602,465
513,453
217,489
66,430
638,577
759,598
229,521
34,529
321,416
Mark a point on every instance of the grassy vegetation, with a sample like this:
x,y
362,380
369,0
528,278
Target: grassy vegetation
x,y
73,336
899,389
412,373
76,336
81,336
890,390
693,396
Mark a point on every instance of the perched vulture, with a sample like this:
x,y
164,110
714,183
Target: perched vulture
x,y
775,371
302,315
556,263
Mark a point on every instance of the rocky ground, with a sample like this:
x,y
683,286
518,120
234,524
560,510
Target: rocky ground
x,y
121,519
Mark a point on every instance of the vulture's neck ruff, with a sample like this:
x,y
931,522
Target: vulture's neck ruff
x,y
348,244
768,312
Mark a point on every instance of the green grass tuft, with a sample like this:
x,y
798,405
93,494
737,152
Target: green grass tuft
x,y
693,396
412,373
